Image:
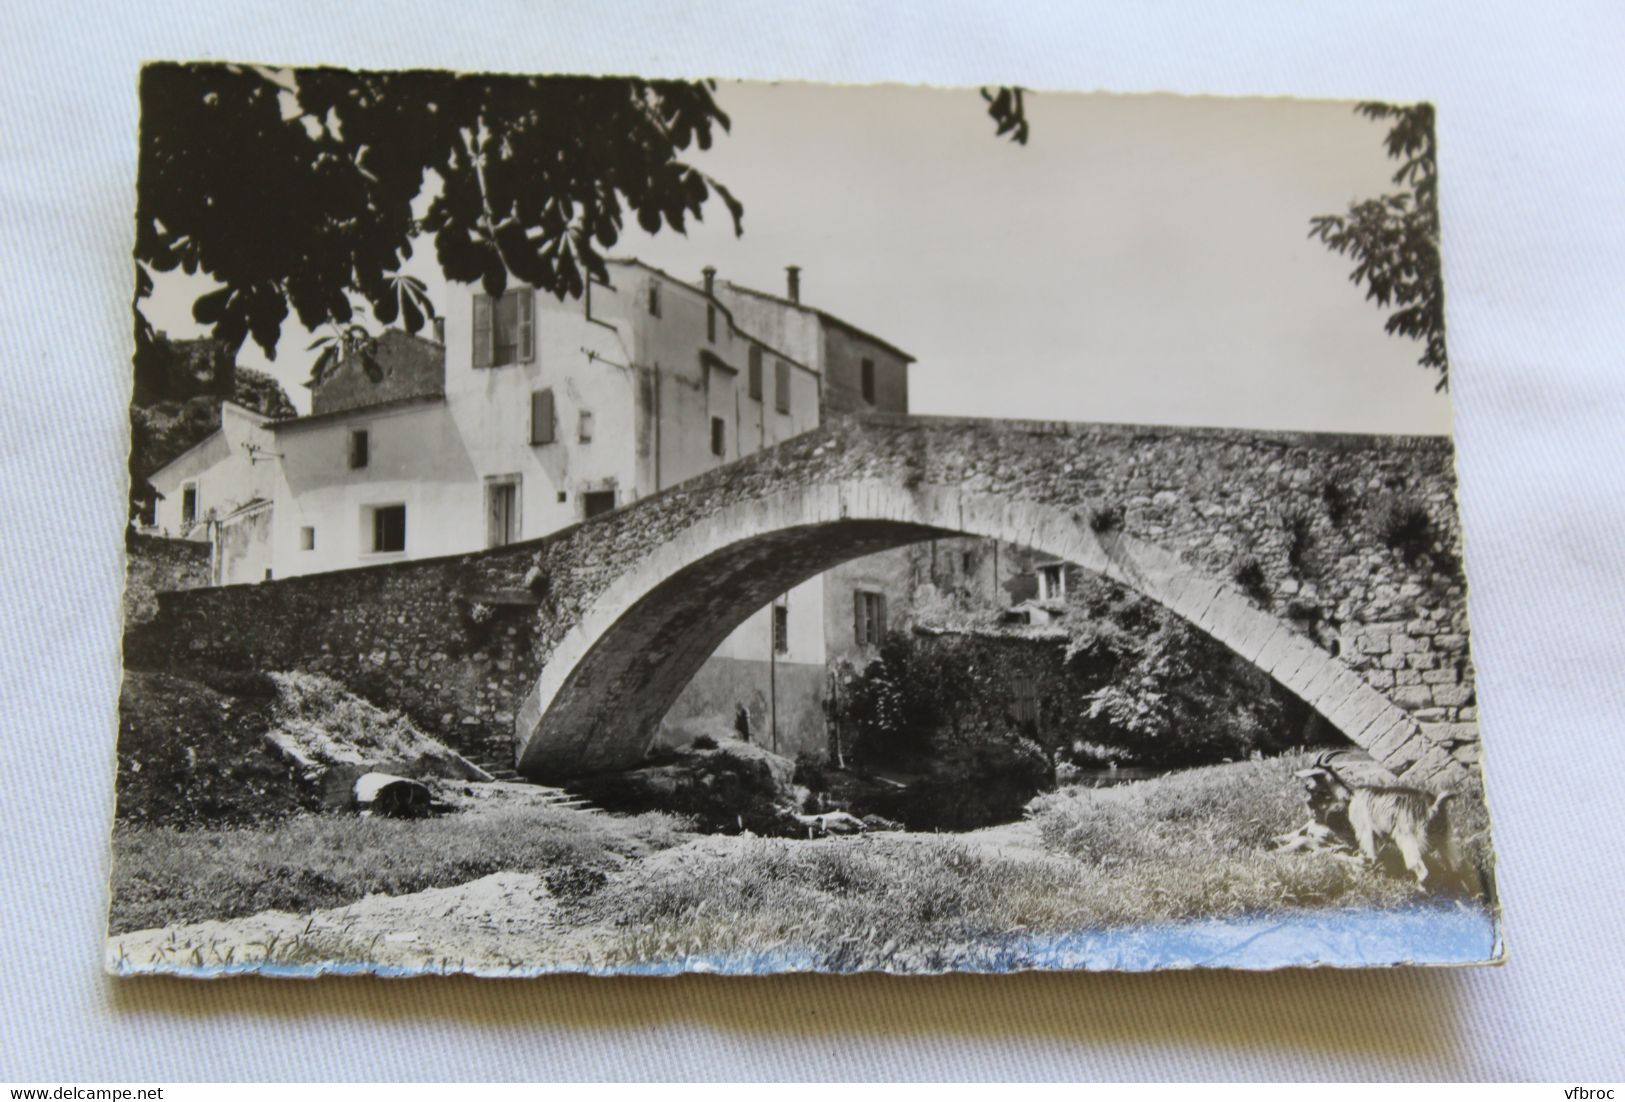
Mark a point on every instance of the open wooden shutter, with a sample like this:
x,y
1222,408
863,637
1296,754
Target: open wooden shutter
x,y
880,616
482,329
857,618
526,324
781,386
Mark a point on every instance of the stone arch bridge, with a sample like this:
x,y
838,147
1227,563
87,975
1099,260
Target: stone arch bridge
x,y
1346,546
1328,561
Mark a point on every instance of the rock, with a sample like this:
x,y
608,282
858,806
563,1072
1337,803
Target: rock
x,y
392,796
830,822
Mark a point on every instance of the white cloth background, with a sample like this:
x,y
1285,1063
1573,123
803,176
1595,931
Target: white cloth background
x,y
1533,178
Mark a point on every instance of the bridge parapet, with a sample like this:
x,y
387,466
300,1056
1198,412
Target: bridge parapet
x,y
1346,545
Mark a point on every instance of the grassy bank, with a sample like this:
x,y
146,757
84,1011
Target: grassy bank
x,y
163,875
1189,845
636,891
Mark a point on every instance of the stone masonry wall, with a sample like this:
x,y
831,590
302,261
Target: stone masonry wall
x,y
449,641
1354,540
154,564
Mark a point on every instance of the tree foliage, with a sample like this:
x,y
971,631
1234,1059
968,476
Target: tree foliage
x,y
298,190
1131,676
1394,239
1007,107
295,189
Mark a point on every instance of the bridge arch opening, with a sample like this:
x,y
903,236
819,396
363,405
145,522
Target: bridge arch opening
x,y
606,683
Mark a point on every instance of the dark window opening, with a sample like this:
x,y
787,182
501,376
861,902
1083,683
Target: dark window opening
x,y
360,449
542,418
869,381
389,528
189,506
307,539
1052,582
781,629
781,386
719,437
756,372
711,324
654,300
596,502
1024,703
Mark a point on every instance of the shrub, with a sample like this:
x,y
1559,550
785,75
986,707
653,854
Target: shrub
x,y
1405,527
1108,518
1300,537
1249,578
1337,501
1306,614
189,753
703,742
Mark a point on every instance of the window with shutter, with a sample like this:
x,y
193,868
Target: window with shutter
x,y
525,300
756,372
781,629
541,417
869,617
482,330
781,386
505,328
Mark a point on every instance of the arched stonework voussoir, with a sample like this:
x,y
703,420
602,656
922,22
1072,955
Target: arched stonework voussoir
x,y
607,681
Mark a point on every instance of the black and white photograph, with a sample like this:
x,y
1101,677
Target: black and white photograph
x,y
641,526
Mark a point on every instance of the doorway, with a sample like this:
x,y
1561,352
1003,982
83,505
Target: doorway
x,y
501,511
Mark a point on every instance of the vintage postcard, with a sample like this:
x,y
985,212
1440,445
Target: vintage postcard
x,y
631,526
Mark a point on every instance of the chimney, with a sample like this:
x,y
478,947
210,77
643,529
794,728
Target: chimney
x,y
793,282
710,275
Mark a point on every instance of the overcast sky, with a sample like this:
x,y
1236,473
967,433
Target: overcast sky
x,y
1142,258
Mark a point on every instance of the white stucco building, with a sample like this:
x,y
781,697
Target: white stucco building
x,y
530,414
220,490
